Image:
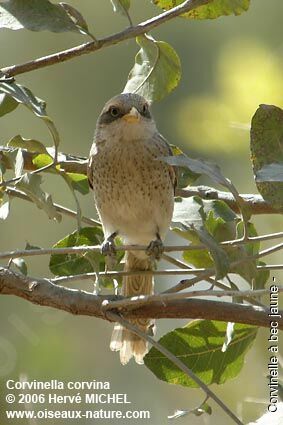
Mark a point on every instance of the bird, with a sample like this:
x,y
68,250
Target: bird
x,y
134,195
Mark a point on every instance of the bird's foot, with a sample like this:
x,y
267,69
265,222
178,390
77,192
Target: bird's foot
x,y
108,249
155,249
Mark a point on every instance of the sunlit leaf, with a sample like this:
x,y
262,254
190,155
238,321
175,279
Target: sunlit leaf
x,y
21,265
194,215
30,145
157,69
121,6
4,206
262,277
7,104
23,95
204,408
212,10
270,173
198,411
30,184
35,15
198,166
76,17
42,160
228,336
19,164
185,176
29,246
267,148
223,225
199,346
69,264
218,254
79,182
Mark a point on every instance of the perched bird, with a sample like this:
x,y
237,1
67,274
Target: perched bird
x,y
134,196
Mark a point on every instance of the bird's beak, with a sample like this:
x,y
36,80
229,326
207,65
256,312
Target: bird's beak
x,y
133,116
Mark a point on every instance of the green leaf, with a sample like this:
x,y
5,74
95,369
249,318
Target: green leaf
x,y
262,277
198,411
30,184
19,164
185,176
270,173
37,106
23,95
76,17
42,160
35,15
29,246
192,214
267,148
30,145
198,166
4,206
7,159
199,346
70,264
204,408
212,10
219,256
222,224
188,212
157,69
228,336
7,104
21,265
79,182
121,6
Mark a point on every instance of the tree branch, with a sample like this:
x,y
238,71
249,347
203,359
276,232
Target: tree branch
x,y
96,45
45,293
255,203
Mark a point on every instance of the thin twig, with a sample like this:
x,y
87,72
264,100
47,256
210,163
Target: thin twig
x,y
202,274
96,45
63,210
97,248
175,360
114,274
140,301
211,280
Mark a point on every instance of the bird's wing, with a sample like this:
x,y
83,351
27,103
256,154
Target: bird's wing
x,y
89,168
167,151
89,172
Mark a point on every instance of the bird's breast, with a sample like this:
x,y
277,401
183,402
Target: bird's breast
x,y
131,187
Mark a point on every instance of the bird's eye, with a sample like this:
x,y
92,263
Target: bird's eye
x,y
114,111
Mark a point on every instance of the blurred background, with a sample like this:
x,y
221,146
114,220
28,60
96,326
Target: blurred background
x,y
229,67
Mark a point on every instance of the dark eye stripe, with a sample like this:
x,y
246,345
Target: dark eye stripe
x,y
107,117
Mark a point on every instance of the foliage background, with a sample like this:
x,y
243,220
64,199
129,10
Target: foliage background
x,y
230,65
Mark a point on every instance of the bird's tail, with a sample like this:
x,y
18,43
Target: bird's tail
x,y
129,344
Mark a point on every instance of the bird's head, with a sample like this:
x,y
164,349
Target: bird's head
x,y
125,117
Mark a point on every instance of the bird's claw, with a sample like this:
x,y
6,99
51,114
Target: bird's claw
x,y
108,249
155,249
